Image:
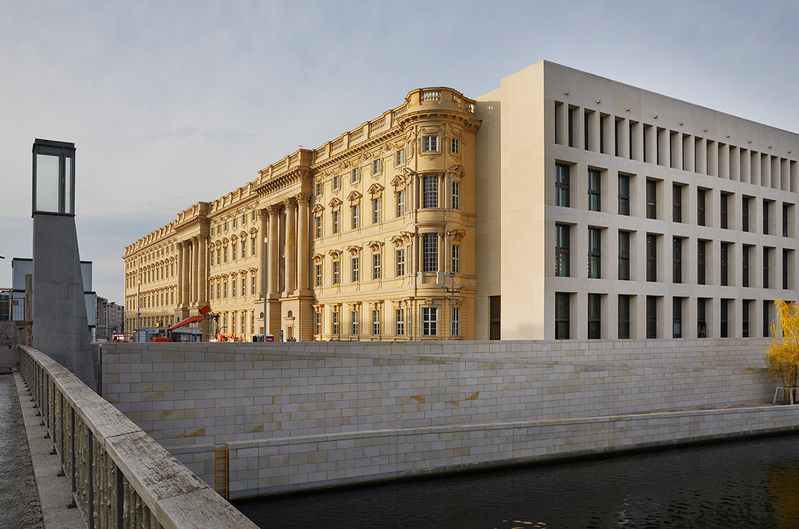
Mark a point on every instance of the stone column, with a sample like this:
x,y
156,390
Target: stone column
x,y
184,280
273,251
202,276
179,300
194,269
303,243
259,247
291,245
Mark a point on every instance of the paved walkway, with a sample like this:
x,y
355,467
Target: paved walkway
x,y
19,499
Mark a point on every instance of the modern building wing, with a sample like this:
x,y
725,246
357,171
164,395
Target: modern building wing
x,y
561,205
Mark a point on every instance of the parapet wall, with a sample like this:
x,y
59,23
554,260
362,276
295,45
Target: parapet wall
x,y
384,410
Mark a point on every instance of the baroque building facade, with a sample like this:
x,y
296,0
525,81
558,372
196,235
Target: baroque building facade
x,y
369,237
561,205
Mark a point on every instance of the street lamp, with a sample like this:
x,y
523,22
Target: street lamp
x,y
53,177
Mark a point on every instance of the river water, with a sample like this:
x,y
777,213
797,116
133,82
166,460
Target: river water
x,y
746,484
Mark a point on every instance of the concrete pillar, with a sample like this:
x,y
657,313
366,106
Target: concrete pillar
x,y
303,242
291,245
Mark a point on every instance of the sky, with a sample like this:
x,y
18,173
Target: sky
x,y
174,102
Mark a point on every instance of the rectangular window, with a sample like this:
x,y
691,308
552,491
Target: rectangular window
x,y
562,268
430,191
745,214
624,195
651,199
456,146
723,207
233,246
677,261
377,166
400,322
456,195
429,321
356,175
400,195
677,203
376,265
225,254
234,223
700,207
318,318
495,317
723,332
594,253
456,321
318,190
217,290
455,259
562,185
745,266
700,262
561,316
252,250
594,197
252,288
335,323
676,331
429,143
243,286
651,317
375,210
401,262
724,248
356,274
318,274
356,216
766,320
651,257
336,182
430,252
354,321
375,323
243,249
336,272
624,255
785,220
225,288
318,226
335,221
745,318
624,317
785,269
400,159
594,316
701,321
765,217
765,267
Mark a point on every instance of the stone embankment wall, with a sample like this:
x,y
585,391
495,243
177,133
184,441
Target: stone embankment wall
x,y
305,415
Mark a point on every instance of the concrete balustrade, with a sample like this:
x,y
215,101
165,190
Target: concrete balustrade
x,y
120,477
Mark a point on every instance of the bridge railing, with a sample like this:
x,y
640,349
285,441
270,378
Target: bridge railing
x,y
120,477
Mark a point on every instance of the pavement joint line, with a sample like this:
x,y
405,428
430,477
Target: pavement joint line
x,y
54,491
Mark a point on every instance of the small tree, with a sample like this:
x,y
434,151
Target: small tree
x,y
782,357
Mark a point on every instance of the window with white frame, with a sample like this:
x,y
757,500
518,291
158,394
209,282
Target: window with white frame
x,y
234,222
319,189
217,290
400,202
225,290
318,323
226,254
401,262
430,191
377,166
335,322
243,286
318,270
253,219
252,286
400,159
455,146
336,182
456,259
456,195
400,322
254,247
429,143
430,252
376,323
376,262
429,321
335,221
336,273
354,316
356,216
318,226
456,321
356,175
375,210
233,246
243,324
356,274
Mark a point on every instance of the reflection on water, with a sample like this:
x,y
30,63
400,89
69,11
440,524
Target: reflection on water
x,y
752,484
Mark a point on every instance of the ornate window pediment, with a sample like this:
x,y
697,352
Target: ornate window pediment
x,y
375,245
335,254
353,249
335,203
375,190
318,257
319,208
354,196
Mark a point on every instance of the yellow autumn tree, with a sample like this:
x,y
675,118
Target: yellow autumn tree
x,y
782,357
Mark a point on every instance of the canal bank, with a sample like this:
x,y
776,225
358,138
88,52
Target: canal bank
x,y
303,416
